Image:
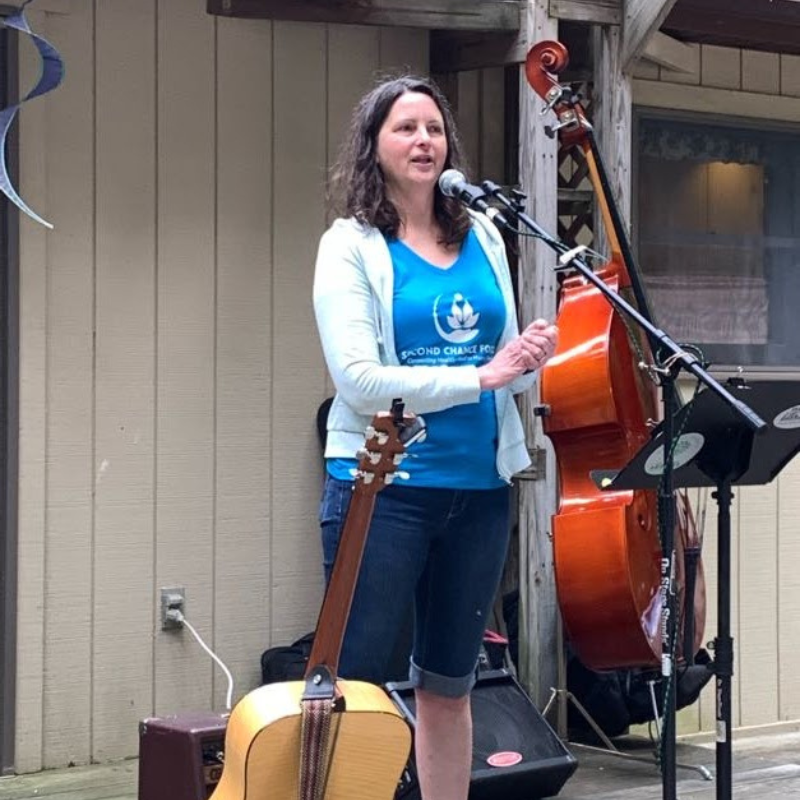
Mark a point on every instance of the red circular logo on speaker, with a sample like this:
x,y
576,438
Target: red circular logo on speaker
x,y
506,758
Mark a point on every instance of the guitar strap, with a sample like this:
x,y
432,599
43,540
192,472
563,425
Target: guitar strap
x,y
314,747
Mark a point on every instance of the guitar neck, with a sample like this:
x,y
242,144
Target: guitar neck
x,y
339,595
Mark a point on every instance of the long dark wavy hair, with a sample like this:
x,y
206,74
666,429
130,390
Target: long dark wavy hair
x,y
357,185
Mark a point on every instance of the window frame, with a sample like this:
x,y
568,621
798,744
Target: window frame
x,y
643,112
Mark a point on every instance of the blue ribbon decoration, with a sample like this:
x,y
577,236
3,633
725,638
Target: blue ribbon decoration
x,y
51,76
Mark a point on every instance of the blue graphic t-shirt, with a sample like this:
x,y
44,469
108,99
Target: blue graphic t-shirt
x,y
442,317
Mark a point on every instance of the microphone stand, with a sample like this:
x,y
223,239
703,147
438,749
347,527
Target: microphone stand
x,y
670,360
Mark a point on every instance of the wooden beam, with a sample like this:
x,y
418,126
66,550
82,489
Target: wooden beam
x,y
640,20
670,53
598,12
459,51
476,15
540,651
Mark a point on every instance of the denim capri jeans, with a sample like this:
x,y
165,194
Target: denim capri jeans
x,y
442,550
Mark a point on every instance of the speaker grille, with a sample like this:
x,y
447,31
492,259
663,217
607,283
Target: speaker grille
x,y
509,721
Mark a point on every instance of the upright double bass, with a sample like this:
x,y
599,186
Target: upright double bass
x,y
603,405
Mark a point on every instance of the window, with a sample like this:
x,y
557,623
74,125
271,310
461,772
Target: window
x,y
718,236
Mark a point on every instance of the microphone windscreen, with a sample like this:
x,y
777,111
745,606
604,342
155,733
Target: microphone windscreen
x,y
450,180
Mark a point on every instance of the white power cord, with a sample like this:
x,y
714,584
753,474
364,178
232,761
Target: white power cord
x,y
176,615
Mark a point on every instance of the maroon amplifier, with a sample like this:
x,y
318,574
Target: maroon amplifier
x,y
181,756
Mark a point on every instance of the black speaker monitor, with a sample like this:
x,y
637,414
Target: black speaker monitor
x,y
516,755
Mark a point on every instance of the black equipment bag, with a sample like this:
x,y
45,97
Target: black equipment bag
x,y
288,662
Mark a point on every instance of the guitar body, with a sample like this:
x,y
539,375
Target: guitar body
x,y
370,740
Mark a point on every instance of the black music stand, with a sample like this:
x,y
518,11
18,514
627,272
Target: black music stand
x,y
715,447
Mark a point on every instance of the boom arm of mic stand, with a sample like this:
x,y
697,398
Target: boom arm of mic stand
x,y
676,355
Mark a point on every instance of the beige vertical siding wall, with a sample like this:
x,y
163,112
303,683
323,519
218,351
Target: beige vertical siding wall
x,y
170,367
766,520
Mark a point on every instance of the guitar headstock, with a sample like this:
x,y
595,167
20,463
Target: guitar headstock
x,y
385,447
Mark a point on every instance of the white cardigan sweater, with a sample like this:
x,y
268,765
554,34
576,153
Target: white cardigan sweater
x,y
353,291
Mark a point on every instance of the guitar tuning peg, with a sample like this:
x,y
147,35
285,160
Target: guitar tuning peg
x,y
371,433
399,475
415,432
372,456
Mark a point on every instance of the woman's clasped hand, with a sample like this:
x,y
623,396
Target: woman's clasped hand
x,y
525,353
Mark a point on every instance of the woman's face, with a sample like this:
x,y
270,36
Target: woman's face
x,y
412,145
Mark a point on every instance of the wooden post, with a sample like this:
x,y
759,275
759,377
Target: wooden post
x,y
612,122
539,648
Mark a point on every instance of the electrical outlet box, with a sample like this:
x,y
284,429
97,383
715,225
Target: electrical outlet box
x,y
173,598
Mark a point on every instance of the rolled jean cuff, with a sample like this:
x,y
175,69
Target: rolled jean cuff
x,y
442,685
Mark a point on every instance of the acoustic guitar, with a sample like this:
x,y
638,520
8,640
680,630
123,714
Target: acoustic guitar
x,y
323,738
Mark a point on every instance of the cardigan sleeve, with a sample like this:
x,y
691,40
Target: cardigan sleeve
x,y
348,314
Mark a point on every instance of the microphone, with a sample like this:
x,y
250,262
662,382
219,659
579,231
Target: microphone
x,y
453,184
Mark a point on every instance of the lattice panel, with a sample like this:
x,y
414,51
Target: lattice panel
x,y
575,195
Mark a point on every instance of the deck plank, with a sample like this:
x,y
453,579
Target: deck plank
x,y
117,781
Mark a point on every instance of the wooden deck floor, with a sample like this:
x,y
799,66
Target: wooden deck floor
x,y
765,767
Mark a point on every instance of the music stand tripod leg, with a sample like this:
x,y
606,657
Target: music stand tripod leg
x,y
695,767
610,748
